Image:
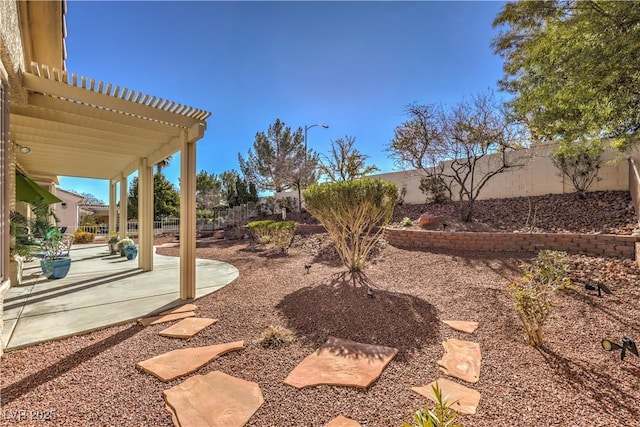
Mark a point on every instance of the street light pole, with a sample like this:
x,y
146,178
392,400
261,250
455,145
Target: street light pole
x,y
306,128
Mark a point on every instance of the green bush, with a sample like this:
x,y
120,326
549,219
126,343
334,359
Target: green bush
x,y
281,233
440,416
534,292
260,232
434,188
83,237
580,161
354,214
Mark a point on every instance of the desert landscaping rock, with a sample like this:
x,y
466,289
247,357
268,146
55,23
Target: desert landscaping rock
x,y
462,326
155,320
460,398
182,309
427,220
213,400
342,421
342,363
187,328
461,360
178,363
91,379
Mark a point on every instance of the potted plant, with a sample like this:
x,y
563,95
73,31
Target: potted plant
x,y
131,251
113,243
122,243
56,262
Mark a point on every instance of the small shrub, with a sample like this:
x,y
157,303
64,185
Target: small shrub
x,y
552,268
534,291
434,188
406,222
440,416
260,232
354,214
281,233
580,161
83,237
124,242
275,336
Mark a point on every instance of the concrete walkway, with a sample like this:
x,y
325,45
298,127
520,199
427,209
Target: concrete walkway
x,y
100,290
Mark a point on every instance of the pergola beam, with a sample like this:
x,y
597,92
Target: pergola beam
x,y
43,85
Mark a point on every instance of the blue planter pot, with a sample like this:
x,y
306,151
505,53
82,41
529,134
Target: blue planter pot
x,y
131,252
55,268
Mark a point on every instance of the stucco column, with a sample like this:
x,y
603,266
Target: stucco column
x,y
145,215
187,217
123,207
113,213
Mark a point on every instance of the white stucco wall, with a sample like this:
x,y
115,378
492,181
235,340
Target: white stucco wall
x,y
537,176
11,61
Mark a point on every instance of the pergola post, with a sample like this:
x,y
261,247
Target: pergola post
x,y
123,207
187,216
113,213
145,215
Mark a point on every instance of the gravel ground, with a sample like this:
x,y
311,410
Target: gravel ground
x,y
91,380
609,212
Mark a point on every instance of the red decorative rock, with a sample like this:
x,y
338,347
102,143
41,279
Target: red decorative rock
x,y
213,400
461,325
178,363
341,421
187,328
342,362
461,360
427,220
460,398
165,318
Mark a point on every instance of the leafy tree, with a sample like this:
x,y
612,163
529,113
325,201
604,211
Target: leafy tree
x,y
208,188
272,162
166,199
573,67
450,146
345,163
236,190
580,161
351,212
90,199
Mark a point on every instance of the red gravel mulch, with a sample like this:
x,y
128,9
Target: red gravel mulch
x,y
91,380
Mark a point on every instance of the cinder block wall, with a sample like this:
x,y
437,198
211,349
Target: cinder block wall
x,y
607,245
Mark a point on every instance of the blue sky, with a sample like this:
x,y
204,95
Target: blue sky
x,y
351,65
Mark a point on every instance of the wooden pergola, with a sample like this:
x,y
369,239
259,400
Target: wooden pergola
x,y
81,127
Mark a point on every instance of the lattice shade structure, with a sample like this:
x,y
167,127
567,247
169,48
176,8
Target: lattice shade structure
x,y
104,129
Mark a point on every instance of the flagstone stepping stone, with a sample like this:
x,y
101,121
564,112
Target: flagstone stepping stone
x,y
213,400
460,398
154,320
341,421
461,325
187,328
343,363
177,363
181,309
461,360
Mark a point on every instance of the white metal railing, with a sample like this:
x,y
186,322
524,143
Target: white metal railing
x,y
222,219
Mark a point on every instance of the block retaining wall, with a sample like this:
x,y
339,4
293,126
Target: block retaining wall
x,y
607,245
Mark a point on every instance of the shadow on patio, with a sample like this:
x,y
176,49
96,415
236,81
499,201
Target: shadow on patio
x,y
100,290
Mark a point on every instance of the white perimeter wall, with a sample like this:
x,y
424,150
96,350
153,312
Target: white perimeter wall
x,y
536,176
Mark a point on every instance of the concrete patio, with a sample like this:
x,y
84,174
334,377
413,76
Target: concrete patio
x,y
100,290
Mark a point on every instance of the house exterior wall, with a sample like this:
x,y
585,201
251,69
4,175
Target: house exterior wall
x,y
11,62
68,212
